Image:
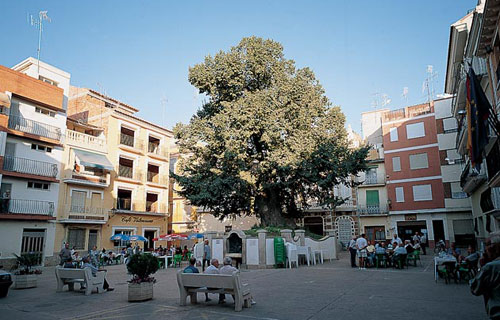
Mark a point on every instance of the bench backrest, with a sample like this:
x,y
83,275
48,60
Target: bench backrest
x,y
221,281
70,273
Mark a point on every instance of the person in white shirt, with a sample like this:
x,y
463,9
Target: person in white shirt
x,y
213,268
229,269
397,240
352,251
361,244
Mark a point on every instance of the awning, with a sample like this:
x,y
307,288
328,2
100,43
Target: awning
x,y
4,100
94,160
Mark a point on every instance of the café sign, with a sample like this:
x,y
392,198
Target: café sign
x,y
136,220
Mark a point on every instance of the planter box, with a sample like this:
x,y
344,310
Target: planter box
x,y
140,291
25,281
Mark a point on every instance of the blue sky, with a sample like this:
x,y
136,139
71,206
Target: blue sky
x,y
140,51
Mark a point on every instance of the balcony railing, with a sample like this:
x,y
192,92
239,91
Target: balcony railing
x,y
372,209
470,179
29,166
407,112
157,149
126,172
31,207
34,127
86,140
89,178
153,177
124,204
373,179
131,141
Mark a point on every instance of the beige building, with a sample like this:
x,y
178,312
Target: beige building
x,y
136,202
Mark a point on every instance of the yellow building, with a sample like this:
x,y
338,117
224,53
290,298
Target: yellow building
x,y
139,155
85,198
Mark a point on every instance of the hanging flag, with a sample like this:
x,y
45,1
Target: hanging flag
x,y
477,106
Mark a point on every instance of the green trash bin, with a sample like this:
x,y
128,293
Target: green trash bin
x,y
279,253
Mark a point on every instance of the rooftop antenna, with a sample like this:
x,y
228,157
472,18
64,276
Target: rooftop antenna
x,y
42,15
428,84
380,100
405,95
163,102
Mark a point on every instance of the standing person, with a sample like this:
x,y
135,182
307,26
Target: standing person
x,y
207,254
397,240
416,237
361,244
487,281
65,254
423,242
94,256
352,251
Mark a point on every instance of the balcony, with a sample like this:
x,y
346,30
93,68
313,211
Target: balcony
x,y
461,140
470,179
128,172
88,179
28,207
131,141
493,165
408,112
372,180
29,166
85,214
79,139
372,209
34,127
154,148
125,205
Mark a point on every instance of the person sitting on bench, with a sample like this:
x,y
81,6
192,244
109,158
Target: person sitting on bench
x,y
87,264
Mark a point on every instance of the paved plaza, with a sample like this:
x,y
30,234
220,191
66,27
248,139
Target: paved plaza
x,y
329,291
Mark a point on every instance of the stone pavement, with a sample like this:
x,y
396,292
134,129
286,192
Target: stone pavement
x,y
329,291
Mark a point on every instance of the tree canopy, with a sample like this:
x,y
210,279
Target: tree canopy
x,y
267,140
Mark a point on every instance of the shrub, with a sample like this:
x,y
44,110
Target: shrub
x,y
26,262
141,266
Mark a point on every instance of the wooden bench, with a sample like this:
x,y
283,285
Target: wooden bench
x,y
70,276
192,283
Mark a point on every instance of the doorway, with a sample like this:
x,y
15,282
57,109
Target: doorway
x,y
438,228
406,229
314,225
150,235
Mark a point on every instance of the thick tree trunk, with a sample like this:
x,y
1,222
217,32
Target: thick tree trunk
x,y
268,208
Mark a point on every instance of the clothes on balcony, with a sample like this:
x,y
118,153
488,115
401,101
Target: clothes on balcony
x,y
94,160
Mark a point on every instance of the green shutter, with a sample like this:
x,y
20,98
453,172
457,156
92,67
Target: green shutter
x,y
372,197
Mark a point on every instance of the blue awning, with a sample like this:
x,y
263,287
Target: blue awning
x,y
94,160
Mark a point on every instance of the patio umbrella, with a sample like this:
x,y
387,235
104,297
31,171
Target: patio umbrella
x,y
195,236
119,237
137,237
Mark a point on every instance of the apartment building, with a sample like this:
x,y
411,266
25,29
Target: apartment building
x,y
85,197
139,155
475,43
32,127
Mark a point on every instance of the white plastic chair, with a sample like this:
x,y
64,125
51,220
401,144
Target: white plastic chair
x,y
305,251
291,255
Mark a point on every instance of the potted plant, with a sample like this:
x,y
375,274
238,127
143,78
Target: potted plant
x,y
141,267
26,276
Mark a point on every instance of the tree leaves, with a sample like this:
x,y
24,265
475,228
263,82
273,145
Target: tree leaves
x,y
267,132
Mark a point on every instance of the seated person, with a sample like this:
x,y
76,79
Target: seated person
x,y
87,264
380,249
370,250
398,251
454,251
213,268
409,248
191,268
185,251
69,263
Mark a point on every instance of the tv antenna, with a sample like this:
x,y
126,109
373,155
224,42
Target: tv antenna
x,y
428,84
42,15
163,102
405,94
380,100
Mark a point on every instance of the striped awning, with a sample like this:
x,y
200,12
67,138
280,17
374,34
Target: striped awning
x,y
94,160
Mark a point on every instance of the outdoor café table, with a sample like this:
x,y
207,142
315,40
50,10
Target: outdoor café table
x,y
166,259
440,260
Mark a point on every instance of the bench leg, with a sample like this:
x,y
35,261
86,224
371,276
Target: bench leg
x,y
194,297
238,303
60,285
71,286
183,296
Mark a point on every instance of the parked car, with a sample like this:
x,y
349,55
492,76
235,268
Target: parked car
x,y
5,283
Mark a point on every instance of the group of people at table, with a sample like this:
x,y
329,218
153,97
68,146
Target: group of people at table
x,y
368,252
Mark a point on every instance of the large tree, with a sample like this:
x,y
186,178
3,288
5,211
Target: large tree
x,y
267,141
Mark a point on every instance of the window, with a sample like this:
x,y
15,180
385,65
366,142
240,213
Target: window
x,y
372,198
394,134
45,111
38,185
422,192
457,192
76,238
419,161
450,125
47,80
396,164
400,195
415,130
39,147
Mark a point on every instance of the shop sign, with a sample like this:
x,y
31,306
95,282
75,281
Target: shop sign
x,y
411,217
136,220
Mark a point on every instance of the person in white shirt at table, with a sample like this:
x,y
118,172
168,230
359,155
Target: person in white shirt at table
x,y
397,240
361,244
